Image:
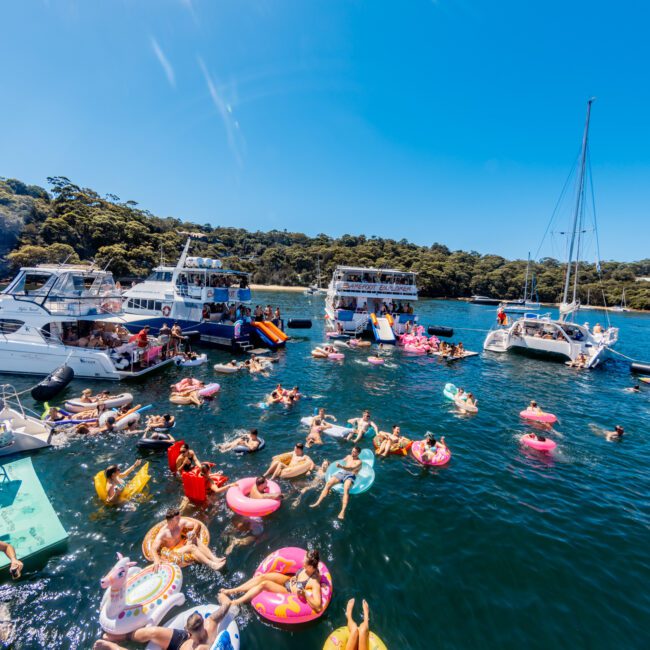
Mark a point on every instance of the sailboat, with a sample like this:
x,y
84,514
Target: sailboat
x,y
623,306
561,337
316,289
588,306
526,303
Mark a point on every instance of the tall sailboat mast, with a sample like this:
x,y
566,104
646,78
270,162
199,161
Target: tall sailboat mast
x,y
577,221
526,281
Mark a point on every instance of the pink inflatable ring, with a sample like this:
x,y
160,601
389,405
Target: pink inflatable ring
x,y
441,457
530,440
547,418
336,356
289,608
239,501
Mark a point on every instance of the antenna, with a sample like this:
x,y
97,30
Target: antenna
x,y
107,264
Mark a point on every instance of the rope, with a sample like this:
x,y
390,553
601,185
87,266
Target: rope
x,y
620,354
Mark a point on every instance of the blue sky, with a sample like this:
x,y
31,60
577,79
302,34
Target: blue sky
x,y
449,120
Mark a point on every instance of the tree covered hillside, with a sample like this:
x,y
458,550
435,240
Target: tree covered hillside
x,y
73,223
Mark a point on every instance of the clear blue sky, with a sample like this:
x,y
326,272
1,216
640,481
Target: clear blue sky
x,y
435,120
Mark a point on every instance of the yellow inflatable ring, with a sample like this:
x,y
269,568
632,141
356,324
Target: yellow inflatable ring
x,y
338,639
170,554
133,487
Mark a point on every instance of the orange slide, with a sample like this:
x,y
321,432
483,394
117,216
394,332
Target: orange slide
x,y
274,333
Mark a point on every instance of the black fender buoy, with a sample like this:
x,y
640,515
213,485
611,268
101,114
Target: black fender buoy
x,y
299,323
53,384
436,330
641,368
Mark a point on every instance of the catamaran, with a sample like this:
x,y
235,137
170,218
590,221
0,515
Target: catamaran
x,y
52,315
373,301
562,337
202,298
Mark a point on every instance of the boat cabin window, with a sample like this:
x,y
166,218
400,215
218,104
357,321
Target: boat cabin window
x,y
10,325
32,283
214,280
160,276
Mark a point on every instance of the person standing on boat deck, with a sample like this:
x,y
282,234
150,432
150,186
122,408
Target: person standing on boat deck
x,y
502,319
142,337
16,565
177,337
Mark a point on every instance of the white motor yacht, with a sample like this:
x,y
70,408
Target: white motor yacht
x,y
377,301
52,315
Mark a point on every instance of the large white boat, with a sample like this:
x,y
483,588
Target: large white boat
x,y
52,315
376,301
203,298
562,337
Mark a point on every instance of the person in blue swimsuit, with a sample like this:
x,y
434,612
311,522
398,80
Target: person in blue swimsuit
x,y
347,475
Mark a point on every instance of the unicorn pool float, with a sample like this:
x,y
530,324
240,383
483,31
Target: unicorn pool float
x,y
137,597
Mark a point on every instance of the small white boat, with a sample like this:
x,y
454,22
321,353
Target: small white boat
x,y
18,431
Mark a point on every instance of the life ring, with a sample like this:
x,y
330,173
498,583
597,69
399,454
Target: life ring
x,y
170,554
290,608
440,457
532,441
166,310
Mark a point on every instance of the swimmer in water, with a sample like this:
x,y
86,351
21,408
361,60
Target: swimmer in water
x,y
317,481
249,440
361,426
115,482
616,435
260,490
347,475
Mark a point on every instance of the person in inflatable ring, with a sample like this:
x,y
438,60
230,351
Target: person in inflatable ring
x,y
115,482
346,475
305,584
181,536
249,440
198,633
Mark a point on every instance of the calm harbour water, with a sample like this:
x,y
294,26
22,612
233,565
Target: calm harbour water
x,y
502,548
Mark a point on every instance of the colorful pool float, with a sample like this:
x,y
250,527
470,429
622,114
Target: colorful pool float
x,y
133,487
228,637
338,639
171,554
114,402
531,440
365,477
546,418
290,608
400,449
238,500
441,457
376,361
298,469
135,598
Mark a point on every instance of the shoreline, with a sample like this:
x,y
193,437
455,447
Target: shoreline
x,y
276,287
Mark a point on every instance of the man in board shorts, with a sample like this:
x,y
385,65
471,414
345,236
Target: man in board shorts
x,y
198,634
347,475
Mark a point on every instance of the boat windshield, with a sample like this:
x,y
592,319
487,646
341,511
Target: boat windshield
x,y
160,276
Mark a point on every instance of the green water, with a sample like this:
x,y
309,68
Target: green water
x,y
501,549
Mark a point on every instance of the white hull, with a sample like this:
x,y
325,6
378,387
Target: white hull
x,y
569,340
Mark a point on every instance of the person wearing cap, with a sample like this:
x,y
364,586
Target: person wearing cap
x,y
617,434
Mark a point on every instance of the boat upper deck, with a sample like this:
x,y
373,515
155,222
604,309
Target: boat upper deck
x,y
378,283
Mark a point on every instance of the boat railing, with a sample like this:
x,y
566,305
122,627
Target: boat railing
x,y
214,294
370,288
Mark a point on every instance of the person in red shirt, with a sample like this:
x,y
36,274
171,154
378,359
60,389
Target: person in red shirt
x,y
502,318
143,337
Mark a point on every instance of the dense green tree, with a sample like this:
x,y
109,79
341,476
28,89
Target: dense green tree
x,y
77,223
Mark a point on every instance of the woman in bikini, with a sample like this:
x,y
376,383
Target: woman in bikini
x,y
305,584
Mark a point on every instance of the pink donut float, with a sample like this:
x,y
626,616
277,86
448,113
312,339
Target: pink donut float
x,y
336,356
238,500
547,418
376,361
289,608
441,457
417,349
186,384
530,440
